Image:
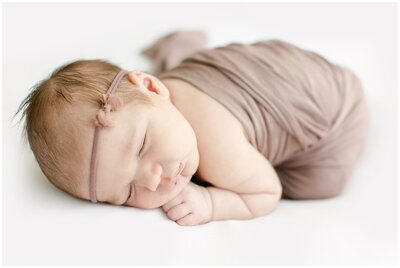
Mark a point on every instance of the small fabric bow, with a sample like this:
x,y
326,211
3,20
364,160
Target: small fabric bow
x,y
111,103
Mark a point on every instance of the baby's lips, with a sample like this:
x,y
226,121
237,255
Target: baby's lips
x,y
180,169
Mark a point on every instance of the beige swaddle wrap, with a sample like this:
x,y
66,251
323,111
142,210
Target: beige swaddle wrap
x,y
307,116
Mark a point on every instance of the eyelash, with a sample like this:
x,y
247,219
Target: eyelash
x,y
130,193
140,155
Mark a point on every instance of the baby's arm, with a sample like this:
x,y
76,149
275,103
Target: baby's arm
x,y
245,185
249,189
227,204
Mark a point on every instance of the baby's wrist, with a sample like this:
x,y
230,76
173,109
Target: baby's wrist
x,y
209,202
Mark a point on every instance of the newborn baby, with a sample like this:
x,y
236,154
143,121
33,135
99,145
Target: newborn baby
x,y
232,119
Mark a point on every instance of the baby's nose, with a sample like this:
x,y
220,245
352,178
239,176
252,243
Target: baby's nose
x,y
151,180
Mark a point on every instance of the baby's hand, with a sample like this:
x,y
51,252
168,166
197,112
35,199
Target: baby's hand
x,y
191,207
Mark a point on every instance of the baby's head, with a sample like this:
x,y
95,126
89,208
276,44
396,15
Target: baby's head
x,y
145,147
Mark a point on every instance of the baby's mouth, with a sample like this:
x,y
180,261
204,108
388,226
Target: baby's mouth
x,y
178,171
176,174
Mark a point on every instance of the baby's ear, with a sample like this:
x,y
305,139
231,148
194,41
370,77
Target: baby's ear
x,y
149,83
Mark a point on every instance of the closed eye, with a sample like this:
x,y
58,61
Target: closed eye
x,y
130,193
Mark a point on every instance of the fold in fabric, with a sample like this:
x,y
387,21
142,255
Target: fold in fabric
x,y
306,115
171,49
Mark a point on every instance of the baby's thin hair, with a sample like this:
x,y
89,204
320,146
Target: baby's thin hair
x,y
59,117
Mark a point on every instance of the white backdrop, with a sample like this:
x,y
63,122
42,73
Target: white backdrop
x,y
42,225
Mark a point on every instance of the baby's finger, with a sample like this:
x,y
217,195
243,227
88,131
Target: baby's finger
x,y
178,212
172,203
188,220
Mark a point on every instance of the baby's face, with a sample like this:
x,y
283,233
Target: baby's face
x,y
148,157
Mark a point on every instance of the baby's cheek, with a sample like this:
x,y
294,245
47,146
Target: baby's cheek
x,y
150,200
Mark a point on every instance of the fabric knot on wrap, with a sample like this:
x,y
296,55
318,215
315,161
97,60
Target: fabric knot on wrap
x,y
111,103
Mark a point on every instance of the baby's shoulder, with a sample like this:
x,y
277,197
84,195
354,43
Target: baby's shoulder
x,y
226,157
208,117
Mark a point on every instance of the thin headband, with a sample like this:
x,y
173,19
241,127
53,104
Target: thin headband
x,y
103,119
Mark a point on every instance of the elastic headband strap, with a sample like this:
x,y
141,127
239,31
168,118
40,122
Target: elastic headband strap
x,y
93,160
